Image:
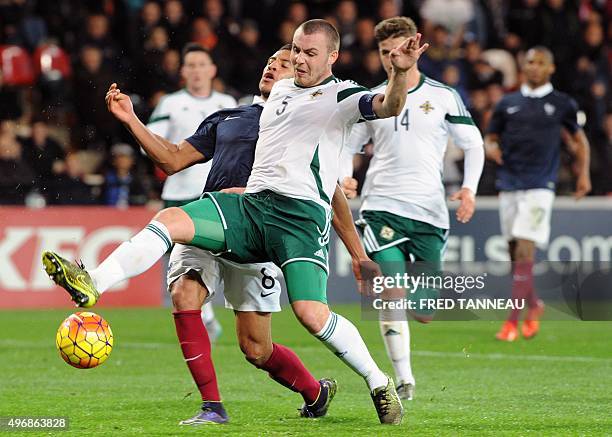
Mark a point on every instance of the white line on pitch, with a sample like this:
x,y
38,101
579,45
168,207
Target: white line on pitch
x,y
423,353
499,356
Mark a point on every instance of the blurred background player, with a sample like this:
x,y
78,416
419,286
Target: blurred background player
x,y
404,216
524,139
123,186
176,117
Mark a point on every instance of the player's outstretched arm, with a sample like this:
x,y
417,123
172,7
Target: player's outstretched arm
x,y
582,155
403,58
363,267
168,156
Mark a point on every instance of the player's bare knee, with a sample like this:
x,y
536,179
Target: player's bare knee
x,y
187,293
254,352
524,251
312,314
167,216
182,300
178,223
312,321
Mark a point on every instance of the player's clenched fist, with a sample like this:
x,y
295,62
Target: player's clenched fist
x,y
349,187
583,186
365,271
120,105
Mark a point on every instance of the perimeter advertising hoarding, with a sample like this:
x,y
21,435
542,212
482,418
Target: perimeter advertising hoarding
x,y
85,233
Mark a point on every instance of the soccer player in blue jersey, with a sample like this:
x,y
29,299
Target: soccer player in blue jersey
x,y
524,139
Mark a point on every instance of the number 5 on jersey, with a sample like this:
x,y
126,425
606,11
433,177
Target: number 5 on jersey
x,y
285,102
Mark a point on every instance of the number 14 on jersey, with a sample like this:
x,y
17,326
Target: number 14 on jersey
x,y
402,122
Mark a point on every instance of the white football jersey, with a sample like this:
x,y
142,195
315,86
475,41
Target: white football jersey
x,y
405,173
176,117
301,134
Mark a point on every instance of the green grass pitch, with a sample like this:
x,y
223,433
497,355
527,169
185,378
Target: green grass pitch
x,y
467,383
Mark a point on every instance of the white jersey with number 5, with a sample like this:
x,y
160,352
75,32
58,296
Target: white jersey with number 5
x,y
405,174
176,117
301,134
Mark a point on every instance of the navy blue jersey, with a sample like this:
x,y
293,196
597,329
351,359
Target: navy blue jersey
x,y
530,138
228,137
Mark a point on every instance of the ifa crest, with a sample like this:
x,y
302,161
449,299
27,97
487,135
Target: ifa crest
x,y
426,107
387,233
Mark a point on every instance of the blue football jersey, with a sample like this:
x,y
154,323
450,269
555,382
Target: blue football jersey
x,y
530,138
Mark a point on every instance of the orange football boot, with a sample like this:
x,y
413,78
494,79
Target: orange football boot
x,y
531,324
508,332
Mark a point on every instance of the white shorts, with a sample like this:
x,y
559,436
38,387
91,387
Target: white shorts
x,y
525,214
246,287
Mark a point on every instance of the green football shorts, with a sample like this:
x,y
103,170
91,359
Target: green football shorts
x,y
400,245
265,226
177,203
418,241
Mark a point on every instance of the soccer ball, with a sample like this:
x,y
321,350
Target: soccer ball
x,y
84,340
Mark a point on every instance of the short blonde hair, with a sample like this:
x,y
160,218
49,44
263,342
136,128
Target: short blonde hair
x,y
313,26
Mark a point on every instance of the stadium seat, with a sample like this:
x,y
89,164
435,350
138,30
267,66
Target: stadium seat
x,y
16,65
51,62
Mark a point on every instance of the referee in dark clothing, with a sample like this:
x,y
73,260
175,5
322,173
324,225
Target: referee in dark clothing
x,y
524,139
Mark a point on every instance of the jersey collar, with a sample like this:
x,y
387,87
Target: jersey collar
x,y
257,100
413,89
199,97
328,80
421,80
538,92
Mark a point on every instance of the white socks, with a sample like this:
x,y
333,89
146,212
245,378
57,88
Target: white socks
x,y
396,336
132,257
343,339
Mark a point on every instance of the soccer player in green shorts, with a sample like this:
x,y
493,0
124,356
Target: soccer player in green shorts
x,y
285,214
404,217
228,139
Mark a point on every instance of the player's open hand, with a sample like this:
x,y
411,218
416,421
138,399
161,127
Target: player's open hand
x,y
467,205
349,187
404,56
583,186
120,105
365,271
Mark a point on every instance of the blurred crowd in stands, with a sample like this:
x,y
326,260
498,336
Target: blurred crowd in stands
x,y
59,145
